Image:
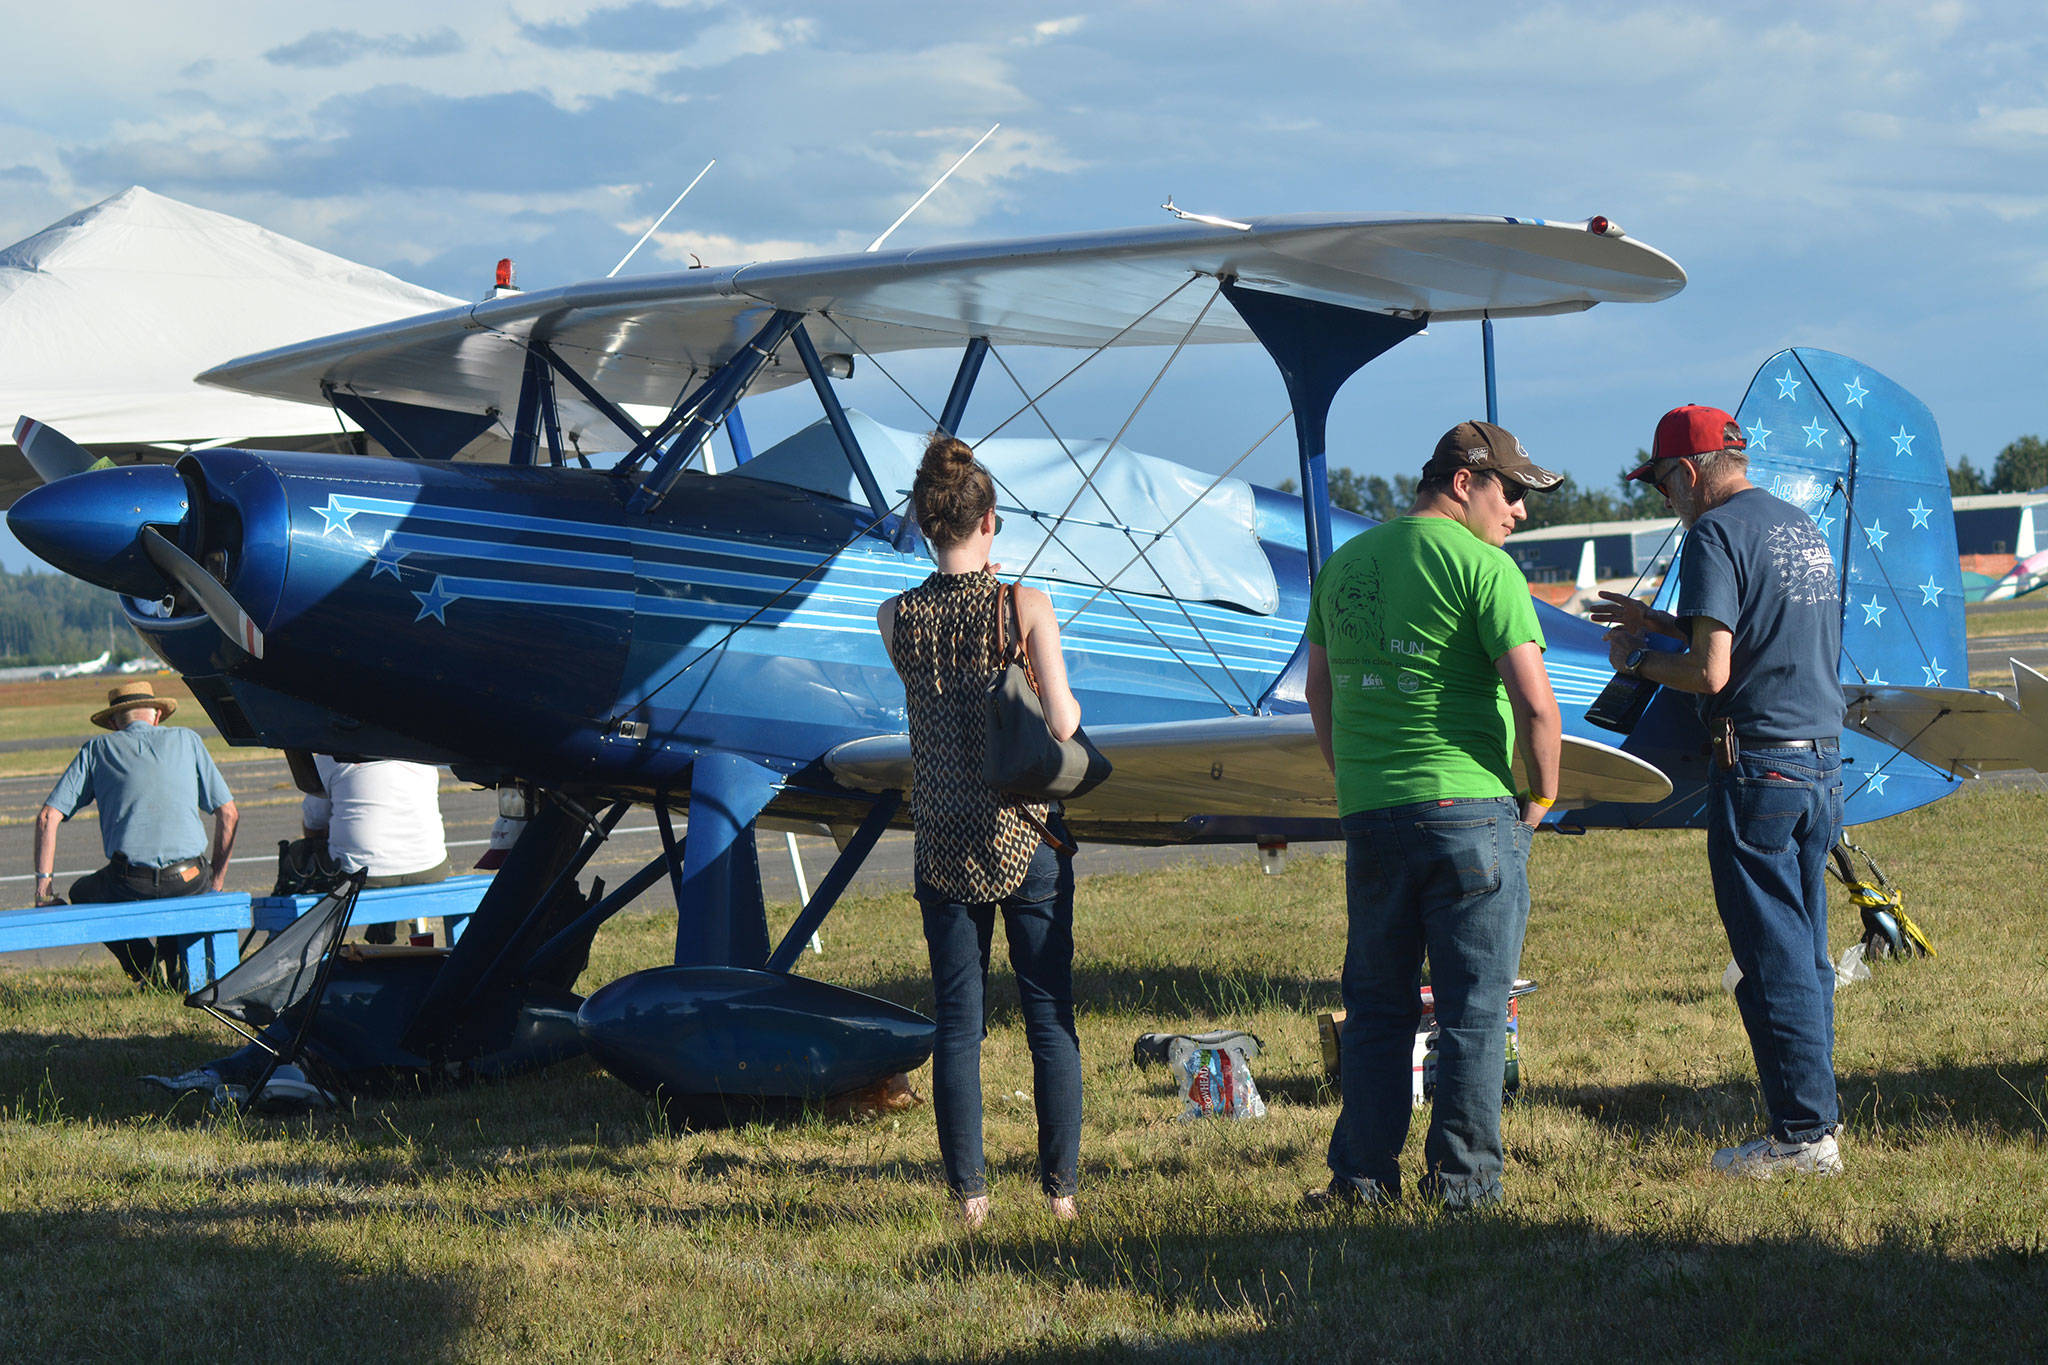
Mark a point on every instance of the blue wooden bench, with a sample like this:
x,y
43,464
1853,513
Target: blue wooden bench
x,y
452,902
206,928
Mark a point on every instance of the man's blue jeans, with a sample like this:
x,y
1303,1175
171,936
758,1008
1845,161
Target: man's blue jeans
x,y
1771,820
1450,878
1038,920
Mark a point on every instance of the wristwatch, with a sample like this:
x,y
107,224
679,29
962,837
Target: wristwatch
x,y
1632,662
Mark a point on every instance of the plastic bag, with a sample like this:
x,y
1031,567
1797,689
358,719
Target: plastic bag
x,y
1216,1082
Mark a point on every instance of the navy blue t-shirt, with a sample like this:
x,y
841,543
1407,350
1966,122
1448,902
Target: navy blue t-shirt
x,y
1759,566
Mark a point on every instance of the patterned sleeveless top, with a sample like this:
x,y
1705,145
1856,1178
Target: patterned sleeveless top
x,y
972,843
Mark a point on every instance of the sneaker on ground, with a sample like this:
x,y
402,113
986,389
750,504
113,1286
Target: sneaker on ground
x,y
1343,1197
1764,1157
288,1088
201,1079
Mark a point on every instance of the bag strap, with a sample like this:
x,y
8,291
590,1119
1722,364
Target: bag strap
x,y
1064,847
1008,650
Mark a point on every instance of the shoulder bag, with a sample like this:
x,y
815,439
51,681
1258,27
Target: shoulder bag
x,y
1020,757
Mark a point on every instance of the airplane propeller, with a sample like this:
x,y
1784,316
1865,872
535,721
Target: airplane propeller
x,y
51,453
216,601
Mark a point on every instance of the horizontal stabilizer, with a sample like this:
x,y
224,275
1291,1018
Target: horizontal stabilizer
x,y
1960,731
1238,766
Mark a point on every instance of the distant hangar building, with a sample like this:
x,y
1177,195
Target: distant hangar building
x,y
1621,549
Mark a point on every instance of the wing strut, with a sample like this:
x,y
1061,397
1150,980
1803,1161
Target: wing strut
x,y
836,415
1317,347
707,408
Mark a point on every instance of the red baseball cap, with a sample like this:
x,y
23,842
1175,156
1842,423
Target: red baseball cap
x,y
1690,430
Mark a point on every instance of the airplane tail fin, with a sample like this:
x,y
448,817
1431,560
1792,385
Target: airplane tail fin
x,y
1863,457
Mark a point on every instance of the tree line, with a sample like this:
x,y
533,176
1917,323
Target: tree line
x,y
2021,467
53,618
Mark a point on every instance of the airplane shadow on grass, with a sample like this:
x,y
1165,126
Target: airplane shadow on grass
x,y
2008,1099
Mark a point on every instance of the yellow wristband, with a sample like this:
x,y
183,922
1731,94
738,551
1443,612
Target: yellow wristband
x,y
1544,801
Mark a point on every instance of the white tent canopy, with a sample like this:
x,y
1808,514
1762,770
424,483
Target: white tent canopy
x,y
106,316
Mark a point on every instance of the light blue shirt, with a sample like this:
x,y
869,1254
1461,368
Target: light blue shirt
x,y
151,782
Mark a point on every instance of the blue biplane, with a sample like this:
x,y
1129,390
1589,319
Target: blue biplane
x,y
651,632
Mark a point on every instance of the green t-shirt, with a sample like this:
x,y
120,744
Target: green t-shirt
x,y
1413,614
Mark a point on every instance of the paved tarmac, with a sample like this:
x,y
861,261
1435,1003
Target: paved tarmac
x,y
269,806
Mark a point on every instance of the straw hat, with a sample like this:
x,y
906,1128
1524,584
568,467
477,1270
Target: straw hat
x,y
125,698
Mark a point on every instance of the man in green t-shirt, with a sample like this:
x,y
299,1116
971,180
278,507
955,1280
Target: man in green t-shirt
x,y
1425,674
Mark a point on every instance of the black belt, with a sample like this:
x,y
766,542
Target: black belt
x,y
155,875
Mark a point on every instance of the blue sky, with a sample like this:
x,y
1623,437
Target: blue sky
x,y
1870,178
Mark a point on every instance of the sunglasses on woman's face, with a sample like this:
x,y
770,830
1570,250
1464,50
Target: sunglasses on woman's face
x,y
999,523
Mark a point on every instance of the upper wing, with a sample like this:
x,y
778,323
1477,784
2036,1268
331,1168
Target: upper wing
x,y
642,340
1960,730
1237,766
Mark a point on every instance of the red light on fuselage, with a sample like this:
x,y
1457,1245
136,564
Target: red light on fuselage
x,y
505,271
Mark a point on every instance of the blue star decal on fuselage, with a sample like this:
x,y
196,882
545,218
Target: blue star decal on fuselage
x,y
1920,511
1856,391
1759,435
434,602
1788,387
386,560
1902,444
1814,431
1825,522
1875,534
1873,613
336,517
1935,672
1930,592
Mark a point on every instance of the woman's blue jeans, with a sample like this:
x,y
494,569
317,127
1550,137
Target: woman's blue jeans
x,y
1038,920
1449,878
1771,821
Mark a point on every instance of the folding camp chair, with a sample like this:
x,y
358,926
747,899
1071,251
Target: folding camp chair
x,y
289,971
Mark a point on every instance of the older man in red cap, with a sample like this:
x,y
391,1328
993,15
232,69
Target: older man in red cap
x,y
150,781
1760,624
1425,673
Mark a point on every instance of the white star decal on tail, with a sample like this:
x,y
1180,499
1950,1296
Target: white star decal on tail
x,y
1876,783
1935,673
1902,444
1759,435
1873,613
1930,592
1856,391
1788,387
1814,431
1920,511
1875,534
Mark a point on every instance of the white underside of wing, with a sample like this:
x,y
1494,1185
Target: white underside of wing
x,y
1961,731
642,340
1238,766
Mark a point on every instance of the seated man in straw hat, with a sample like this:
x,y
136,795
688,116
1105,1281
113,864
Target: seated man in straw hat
x,y
151,781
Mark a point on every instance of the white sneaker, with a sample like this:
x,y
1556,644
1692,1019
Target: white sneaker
x,y
288,1088
202,1080
1766,1156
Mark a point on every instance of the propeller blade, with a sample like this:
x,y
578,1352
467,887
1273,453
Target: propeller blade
x,y
216,601
51,453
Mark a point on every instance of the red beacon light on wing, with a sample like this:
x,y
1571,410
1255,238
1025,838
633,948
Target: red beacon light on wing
x,y
504,283
1600,225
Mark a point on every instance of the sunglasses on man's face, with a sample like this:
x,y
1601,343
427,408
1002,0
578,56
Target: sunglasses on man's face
x,y
1510,491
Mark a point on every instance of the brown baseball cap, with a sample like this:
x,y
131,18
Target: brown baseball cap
x,y
1482,445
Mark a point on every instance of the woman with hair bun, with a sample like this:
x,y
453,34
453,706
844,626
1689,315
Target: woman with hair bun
x,y
978,851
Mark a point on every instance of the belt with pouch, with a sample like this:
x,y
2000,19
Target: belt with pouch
x,y
1728,745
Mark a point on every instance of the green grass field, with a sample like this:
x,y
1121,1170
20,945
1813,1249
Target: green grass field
x,y
559,1217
